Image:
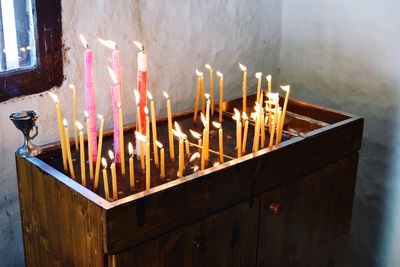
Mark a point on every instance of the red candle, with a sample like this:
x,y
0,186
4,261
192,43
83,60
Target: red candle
x,y
142,83
115,98
90,95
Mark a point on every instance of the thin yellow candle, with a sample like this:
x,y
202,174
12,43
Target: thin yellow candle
x,y
220,140
198,91
285,88
170,135
236,117
278,122
207,125
162,159
202,94
178,133
75,116
142,141
146,111
221,95
187,147
244,86
113,175
99,149
89,141
60,130
82,152
153,127
246,129
259,78
269,79
273,124
121,138
262,126
147,164
256,117
68,148
131,168
203,157
272,98
211,87
105,178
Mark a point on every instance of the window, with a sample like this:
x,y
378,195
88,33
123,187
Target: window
x,y
30,47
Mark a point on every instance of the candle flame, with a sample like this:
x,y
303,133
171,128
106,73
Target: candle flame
x,y
108,43
83,40
269,78
285,88
104,163
254,115
54,97
111,155
140,137
119,105
207,95
199,73
236,117
166,95
130,149
216,124
112,75
194,156
149,95
273,96
72,86
177,127
146,111
242,67
195,134
159,144
79,125
65,122
86,114
137,96
139,45
208,67
216,164
195,168
219,74
100,117
203,119
258,75
244,116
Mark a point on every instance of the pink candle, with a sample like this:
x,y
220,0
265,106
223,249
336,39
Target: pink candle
x,y
90,95
142,83
115,99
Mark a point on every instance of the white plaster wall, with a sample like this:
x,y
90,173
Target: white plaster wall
x,y
178,35
345,55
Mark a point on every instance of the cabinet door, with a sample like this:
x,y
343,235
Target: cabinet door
x,y
306,222
228,238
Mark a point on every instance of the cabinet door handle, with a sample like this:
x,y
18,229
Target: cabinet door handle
x,y
275,208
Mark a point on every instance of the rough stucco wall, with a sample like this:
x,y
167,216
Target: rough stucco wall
x,y
344,55
178,37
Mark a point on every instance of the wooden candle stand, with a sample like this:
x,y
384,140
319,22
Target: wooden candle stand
x,y
286,205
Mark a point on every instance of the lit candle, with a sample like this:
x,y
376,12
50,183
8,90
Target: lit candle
x,y
220,140
197,136
221,94
113,175
269,79
203,151
89,140
147,164
275,103
115,99
74,115
162,159
262,126
236,117
244,69
97,171
272,98
193,158
178,133
131,167
154,127
277,124
287,90
208,125
142,82
246,129
211,87
60,130
105,178
256,118
198,89
68,148
259,77
121,138
170,135
205,137
202,93
90,95
82,152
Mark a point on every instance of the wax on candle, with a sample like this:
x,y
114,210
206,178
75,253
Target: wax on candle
x,y
245,131
90,91
74,109
121,138
259,78
142,83
68,148
105,178
82,152
60,130
162,159
221,95
131,168
211,86
89,140
244,87
170,135
99,149
198,89
113,175
154,127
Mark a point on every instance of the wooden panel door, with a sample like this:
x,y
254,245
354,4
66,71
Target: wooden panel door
x,y
306,222
228,238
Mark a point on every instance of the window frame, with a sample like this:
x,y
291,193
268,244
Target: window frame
x,y
48,71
